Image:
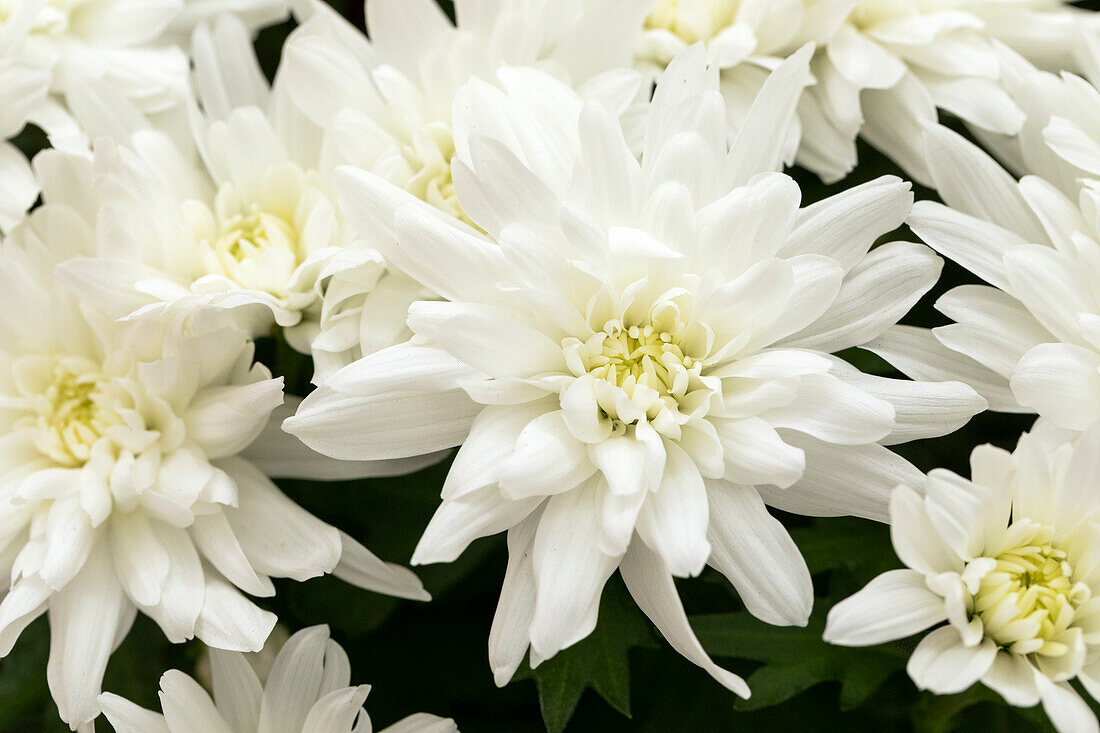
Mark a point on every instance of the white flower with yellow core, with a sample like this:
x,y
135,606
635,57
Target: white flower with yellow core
x,y
134,465
1029,341
635,356
55,53
882,66
1006,567
240,218
387,101
307,691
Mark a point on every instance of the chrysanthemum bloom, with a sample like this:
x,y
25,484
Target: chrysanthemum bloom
x,y
308,691
134,50
882,65
1010,561
133,473
1030,341
240,217
636,356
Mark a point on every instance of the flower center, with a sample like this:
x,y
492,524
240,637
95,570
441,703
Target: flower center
x,y
644,361
870,13
1028,600
428,156
68,410
257,249
54,18
692,21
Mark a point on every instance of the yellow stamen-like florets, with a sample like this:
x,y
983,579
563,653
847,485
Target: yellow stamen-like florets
x,y
69,414
683,20
428,155
1029,599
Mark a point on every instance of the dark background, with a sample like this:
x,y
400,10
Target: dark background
x,y
432,657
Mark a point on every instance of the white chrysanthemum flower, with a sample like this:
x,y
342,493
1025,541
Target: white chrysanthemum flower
x,y
134,464
133,48
241,218
1029,342
308,691
882,65
386,103
1009,560
635,358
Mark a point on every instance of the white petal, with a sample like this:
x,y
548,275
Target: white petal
x,y
187,706
942,664
916,540
650,583
843,480
281,455
230,621
977,245
874,296
917,354
970,181
1013,678
862,61
237,690
1067,711
760,143
84,620
546,460
509,635
845,225
460,521
385,427
1061,382
422,723
360,567
126,717
569,570
278,537
500,347
337,711
224,420
755,454
894,605
673,520
757,555
294,682
830,410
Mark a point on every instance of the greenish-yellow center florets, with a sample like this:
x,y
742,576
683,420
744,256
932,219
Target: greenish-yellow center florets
x,y
69,415
692,22
1029,599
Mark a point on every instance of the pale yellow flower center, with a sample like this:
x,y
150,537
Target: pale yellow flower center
x,y
428,155
870,13
692,21
68,410
645,361
258,250
1028,601
54,18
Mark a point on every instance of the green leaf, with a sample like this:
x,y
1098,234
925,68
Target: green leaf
x,y
796,658
601,661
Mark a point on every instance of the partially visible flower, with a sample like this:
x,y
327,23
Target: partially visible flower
x,y
134,464
308,691
636,356
139,51
1029,342
882,66
1006,568
240,217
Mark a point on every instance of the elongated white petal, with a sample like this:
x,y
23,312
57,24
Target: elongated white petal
x,y
753,550
360,567
894,605
650,583
509,636
942,664
237,690
187,706
126,717
569,570
84,620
